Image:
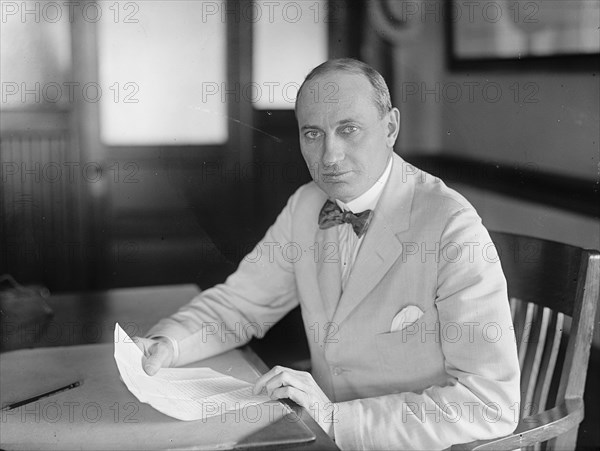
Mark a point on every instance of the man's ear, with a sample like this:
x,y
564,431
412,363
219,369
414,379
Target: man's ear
x,y
393,124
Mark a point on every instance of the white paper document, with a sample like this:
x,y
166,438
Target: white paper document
x,y
183,393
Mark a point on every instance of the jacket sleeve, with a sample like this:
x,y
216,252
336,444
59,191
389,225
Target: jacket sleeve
x,y
481,398
259,293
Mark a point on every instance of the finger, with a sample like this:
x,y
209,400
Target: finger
x,y
284,379
298,396
275,382
262,380
143,343
158,356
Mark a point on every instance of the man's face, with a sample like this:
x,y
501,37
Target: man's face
x,y
343,140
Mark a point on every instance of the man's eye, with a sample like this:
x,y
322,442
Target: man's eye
x,y
349,129
312,134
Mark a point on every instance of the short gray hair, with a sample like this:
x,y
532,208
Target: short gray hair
x,y
381,93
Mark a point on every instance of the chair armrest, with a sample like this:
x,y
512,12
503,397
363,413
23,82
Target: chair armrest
x,y
535,428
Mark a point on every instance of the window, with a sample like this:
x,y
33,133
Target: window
x,y
35,66
158,63
289,39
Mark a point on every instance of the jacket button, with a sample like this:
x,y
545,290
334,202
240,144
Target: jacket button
x,y
337,371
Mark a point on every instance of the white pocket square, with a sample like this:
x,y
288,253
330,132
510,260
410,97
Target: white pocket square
x,y
405,317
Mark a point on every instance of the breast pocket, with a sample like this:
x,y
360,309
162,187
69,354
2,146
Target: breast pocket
x,y
412,357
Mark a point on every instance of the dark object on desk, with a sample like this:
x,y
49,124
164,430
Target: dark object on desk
x,y
22,305
547,283
42,396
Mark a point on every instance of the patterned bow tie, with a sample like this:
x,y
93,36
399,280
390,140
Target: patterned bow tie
x,y
331,215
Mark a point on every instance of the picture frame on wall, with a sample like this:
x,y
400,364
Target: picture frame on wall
x,y
523,35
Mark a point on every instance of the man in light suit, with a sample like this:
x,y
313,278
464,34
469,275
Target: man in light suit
x,y
402,295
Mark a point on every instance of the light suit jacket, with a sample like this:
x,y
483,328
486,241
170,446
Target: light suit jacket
x,y
451,376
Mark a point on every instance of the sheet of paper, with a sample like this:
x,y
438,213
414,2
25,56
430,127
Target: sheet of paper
x,y
183,393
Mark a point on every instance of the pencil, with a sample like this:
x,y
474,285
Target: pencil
x,y
43,395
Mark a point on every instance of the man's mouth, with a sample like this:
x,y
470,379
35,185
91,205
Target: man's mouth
x,y
335,174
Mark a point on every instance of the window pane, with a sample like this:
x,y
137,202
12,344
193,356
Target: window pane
x,y
289,38
35,61
154,62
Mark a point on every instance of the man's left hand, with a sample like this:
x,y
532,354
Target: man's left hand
x,y
300,387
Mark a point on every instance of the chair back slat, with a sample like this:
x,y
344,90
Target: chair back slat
x,y
513,307
522,313
534,344
548,364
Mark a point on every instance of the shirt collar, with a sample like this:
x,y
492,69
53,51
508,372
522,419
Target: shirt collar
x,y
368,199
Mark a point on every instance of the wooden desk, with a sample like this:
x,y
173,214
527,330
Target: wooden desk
x,y
89,318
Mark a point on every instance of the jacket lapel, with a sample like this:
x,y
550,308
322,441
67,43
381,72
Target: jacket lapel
x,y
381,247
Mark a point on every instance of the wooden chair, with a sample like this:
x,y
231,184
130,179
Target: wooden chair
x,y
553,290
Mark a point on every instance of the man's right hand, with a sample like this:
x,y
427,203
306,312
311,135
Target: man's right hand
x,y
158,353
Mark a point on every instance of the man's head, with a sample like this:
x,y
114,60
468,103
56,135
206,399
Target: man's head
x,y
347,126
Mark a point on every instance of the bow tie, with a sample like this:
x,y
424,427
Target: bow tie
x,y
331,215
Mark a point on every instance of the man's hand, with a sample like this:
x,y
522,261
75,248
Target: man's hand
x,y
158,353
300,387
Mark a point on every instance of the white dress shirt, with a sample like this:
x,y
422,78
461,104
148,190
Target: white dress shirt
x,y
349,242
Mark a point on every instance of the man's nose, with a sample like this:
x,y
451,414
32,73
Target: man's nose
x,y
333,152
